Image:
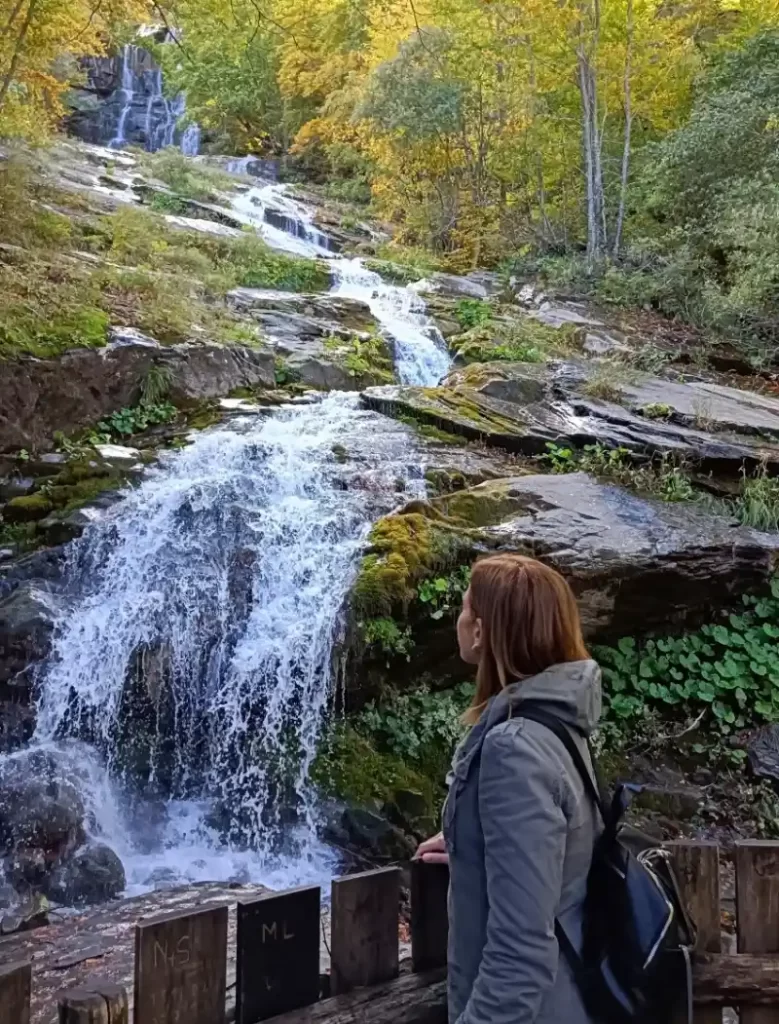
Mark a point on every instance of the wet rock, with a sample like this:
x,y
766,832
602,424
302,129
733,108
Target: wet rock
x,y
118,455
634,564
129,337
39,397
39,812
349,314
369,833
26,624
763,754
93,874
16,487
559,315
522,407
26,912
453,286
61,529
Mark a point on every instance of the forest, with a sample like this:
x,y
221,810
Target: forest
x,y
625,148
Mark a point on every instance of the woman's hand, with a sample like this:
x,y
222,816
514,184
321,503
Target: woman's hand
x,y
433,851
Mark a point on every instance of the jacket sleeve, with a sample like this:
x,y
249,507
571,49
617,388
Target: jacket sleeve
x,y
524,845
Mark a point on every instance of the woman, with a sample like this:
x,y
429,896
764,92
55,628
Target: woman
x,y
518,826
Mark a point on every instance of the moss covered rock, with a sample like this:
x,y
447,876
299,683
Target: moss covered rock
x,y
404,549
27,509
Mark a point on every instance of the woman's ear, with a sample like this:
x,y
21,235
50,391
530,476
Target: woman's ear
x,y
478,634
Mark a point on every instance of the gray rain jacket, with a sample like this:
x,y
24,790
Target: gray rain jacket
x,y
520,831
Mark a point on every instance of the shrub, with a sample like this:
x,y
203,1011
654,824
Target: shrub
x,y
758,503
473,313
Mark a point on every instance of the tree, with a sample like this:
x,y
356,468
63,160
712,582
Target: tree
x,y
39,40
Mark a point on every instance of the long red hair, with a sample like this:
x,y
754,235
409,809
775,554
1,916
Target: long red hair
x,y
529,620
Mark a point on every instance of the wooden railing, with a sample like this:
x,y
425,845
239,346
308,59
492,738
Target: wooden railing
x,y
180,960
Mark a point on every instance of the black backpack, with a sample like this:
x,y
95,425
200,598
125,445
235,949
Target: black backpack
x,y
634,965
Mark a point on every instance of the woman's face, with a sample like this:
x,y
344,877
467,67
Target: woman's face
x,y
469,633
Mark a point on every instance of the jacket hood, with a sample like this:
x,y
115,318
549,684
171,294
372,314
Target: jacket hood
x,y
571,690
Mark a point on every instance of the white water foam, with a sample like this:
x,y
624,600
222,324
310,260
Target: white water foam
x,y
223,574
420,352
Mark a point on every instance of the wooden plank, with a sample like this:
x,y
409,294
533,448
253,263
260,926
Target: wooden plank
x,y
100,1002
180,968
278,954
429,915
410,999
697,869
741,980
364,947
15,988
757,911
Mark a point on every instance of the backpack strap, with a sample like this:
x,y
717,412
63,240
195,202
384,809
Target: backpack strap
x,y
531,709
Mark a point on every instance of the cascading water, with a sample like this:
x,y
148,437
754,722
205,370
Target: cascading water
x,y
193,663
146,115
196,652
190,140
128,96
420,352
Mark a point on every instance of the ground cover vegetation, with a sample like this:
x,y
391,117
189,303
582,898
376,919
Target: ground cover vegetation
x,y
166,282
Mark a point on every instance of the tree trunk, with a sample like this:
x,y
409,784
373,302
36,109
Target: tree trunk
x,y
623,192
12,18
5,85
591,135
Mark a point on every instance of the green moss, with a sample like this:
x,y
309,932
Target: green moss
x,y
189,179
433,433
20,536
27,509
394,273
204,414
512,339
67,498
404,549
350,768
480,506
445,481
369,361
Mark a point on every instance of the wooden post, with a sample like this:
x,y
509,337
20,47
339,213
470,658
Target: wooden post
x,y
697,869
429,915
98,1002
181,968
364,947
757,911
15,987
277,954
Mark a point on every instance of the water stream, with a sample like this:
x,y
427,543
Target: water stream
x,y
146,115
194,661
420,351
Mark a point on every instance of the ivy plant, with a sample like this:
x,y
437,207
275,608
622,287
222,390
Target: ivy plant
x,y
727,671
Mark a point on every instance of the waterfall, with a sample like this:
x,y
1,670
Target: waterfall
x,y
194,658
421,356
146,115
196,652
128,95
190,140
420,351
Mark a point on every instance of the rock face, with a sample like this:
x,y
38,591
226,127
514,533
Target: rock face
x,y
43,831
122,100
305,331
524,406
634,564
39,397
